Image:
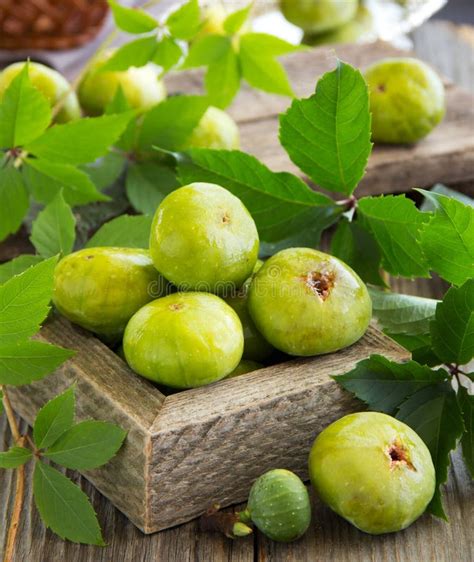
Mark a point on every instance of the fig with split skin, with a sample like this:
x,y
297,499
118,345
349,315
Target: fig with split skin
x,y
374,471
305,302
101,288
319,16
184,340
50,83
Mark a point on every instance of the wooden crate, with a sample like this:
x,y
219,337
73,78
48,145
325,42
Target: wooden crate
x,y
190,449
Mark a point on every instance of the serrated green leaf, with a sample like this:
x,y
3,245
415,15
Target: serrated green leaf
x,y
234,21
54,419
27,361
206,50
167,54
24,301
222,78
53,231
328,135
384,384
466,403
120,104
147,184
107,170
448,240
433,412
452,330
87,445
64,507
45,179
395,223
17,265
135,53
80,141
184,22
161,128
293,204
356,246
124,231
14,201
15,457
402,314
431,203
259,67
132,20
419,346
24,112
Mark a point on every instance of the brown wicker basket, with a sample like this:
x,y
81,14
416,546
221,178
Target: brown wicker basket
x,y
49,24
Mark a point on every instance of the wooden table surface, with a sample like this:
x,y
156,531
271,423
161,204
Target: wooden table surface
x,y
330,538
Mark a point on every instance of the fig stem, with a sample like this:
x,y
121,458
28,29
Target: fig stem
x,y
223,522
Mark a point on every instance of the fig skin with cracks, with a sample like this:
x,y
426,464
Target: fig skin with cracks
x,y
204,239
185,340
306,302
374,471
101,288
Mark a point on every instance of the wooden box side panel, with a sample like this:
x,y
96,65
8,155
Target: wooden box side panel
x,y
210,446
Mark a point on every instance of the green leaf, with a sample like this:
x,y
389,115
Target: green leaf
x,y
431,203
124,231
259,67
120,104
395,223
17,265
384,384
184,22
14,201
82,141
466,403
53,232
234,22
161,128
15,457
452,330
354,245
328,135
27,361
403,314
132,20
24,112
24,301
293,204
206,50
167,54
107,170
148,183
419,346
64,507
45,179
54,419
135,53
433,412
87,445
448,240
222,78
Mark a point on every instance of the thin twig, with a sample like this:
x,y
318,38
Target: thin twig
x,y
10,415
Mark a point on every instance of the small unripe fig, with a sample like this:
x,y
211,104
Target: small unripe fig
x,y
279,505
184,340
141,87
101,288
216,130
50,83
305,302
204,239
374,471
407,100
318,16
357,30
245,367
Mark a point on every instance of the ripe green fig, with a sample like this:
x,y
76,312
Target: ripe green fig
x,y
357,30
101,288
245,367
319,16
407,100
216,130
374,471
305,302
184,340
50,83
204,239
141,87
279,506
